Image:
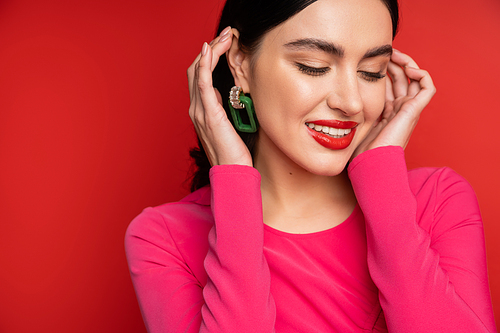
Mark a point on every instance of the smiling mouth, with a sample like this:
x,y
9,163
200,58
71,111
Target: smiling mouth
x,y
336,133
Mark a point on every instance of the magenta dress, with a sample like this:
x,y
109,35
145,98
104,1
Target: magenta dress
x,y
410,258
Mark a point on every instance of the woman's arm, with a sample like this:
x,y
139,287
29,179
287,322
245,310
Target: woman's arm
x,y
236,297
432,279
237,294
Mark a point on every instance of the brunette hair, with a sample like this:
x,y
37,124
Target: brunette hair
x,y
253,19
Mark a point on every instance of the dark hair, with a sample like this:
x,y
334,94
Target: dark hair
x,y
253,19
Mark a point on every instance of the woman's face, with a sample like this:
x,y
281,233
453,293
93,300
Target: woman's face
x,y
326,66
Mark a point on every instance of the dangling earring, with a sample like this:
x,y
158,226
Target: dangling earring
x,y
238,101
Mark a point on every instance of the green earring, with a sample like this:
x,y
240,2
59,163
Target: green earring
x,y
238,101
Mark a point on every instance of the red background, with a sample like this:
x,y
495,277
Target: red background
x,y
94,127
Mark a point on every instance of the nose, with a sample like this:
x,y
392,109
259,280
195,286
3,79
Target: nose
x,y
345,95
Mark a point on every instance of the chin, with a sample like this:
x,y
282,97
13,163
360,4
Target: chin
x,y
329,169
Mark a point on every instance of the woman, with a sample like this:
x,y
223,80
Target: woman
x,y
312,223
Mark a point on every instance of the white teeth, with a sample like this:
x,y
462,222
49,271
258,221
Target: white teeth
x,y
335,132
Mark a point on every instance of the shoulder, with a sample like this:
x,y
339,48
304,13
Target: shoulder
x,y
179,229
190,213
386,165
437,181
445,200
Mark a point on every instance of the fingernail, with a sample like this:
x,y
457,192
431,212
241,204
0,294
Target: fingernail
x,y
225,31
204,49
395,50
223,38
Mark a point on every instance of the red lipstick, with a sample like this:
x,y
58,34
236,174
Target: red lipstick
x,y
330,142
335,123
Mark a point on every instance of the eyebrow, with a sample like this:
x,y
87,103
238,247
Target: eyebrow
x,y
384,50
325,46
315,45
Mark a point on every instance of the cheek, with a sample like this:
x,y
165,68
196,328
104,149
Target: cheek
x,y
374,100
279,94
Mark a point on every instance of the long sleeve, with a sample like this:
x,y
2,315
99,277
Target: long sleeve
x,y
237,294
426,249
230,291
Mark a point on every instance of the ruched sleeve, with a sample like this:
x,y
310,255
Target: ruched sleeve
x,y
426,251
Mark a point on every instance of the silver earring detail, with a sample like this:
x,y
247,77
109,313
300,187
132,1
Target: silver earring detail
x,y
238,102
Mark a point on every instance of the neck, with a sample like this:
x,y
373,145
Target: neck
x,y
296,200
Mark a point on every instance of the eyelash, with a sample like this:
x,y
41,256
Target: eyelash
x,y
372,77
313,71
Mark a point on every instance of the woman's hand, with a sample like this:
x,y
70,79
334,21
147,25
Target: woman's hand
x,y
219,138
404,103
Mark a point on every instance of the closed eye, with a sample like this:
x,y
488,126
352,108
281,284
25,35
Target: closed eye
x,y
372,77
313,71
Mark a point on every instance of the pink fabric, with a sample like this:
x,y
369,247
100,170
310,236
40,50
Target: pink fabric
x,y
410,258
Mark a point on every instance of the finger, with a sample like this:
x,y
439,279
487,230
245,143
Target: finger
x,y
219,48
389,100
399,80
413,88
194,95
372,135
426,86
191,71
193,84
222,38
403,59
213,109
388,110
221,45
389,93
192,75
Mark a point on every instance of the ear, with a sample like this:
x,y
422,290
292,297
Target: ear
x,y
239,63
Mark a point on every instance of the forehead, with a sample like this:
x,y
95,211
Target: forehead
x,y
361,24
